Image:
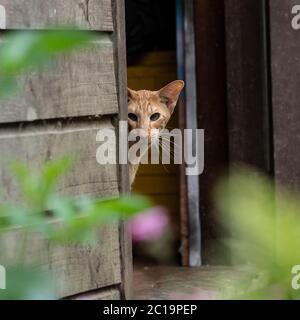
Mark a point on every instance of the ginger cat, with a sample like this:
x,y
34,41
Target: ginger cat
x,y
148,110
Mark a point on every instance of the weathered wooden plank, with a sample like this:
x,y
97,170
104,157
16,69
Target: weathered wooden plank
x,y
74,268
247,83
36,144
81,269
191,118
285,64
79,84
211,90
121,67
78,269
40,14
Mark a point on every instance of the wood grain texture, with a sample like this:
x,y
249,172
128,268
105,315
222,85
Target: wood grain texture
x,y
212,114
34,145
78,269
81,84
74,268
285,63
193,184
121,72
78,84
40,14
166,282
247,83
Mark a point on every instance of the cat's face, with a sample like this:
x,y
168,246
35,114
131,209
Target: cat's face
x,y
148,110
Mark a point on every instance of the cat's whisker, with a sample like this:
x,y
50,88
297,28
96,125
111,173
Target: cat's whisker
x,y
173,145
167,143
167,148
170,151
165,168
160,156
171,141
162,159
169,137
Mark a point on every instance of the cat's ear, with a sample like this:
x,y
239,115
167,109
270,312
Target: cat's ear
x,y
131,94
170,94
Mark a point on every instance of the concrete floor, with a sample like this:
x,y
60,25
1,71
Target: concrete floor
x,y
172,283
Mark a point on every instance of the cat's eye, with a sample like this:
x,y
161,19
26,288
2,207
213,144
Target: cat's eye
x,y
133,117
155,116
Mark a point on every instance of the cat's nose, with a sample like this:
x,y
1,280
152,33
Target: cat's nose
x,y
143,134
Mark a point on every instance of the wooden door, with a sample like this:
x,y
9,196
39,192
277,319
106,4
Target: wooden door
x,y
60,112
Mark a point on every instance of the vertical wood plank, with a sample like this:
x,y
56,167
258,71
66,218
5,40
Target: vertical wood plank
x,y
285,63
193,191
184,227
121,72
78,268
212,115
247,83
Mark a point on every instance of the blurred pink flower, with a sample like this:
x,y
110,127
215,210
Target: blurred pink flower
x,y
149,225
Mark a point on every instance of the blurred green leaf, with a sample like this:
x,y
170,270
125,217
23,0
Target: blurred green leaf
x,y
264,224
27,283
26,49
75,219
22,50
56,218
36,187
